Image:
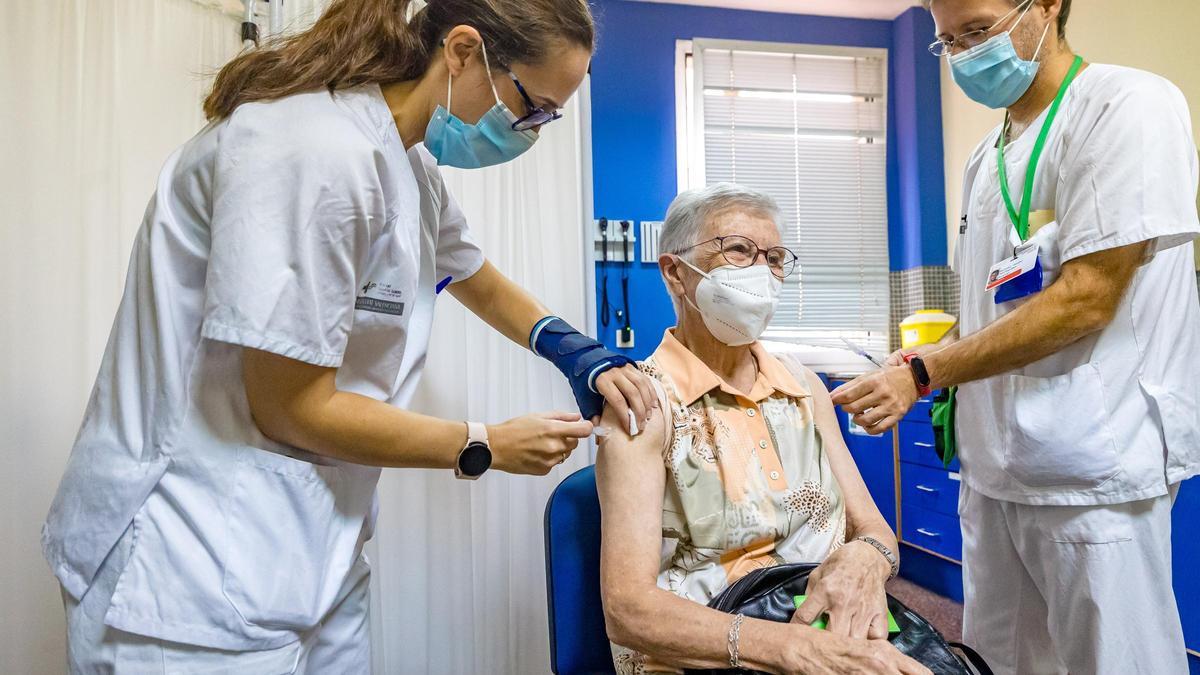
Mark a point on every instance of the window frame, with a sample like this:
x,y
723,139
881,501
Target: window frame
x,y
691,156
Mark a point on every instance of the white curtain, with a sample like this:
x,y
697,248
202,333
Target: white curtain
x,y
458,583
96,94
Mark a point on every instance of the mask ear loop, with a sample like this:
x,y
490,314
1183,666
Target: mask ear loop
x,y
1040,43
1019,18
698,271
488,67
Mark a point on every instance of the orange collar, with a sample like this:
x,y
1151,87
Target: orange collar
x,y
693,378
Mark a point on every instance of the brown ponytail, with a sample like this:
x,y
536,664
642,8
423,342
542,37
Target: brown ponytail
x,y
360,41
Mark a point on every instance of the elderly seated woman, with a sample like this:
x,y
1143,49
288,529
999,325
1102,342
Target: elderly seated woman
x,y
741,466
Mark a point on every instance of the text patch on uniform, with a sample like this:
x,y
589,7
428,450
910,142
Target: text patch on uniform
x,y
381,298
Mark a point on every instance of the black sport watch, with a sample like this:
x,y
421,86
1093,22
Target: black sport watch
x,y
476,456
920,373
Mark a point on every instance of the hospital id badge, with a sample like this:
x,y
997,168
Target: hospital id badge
x,y
1016,277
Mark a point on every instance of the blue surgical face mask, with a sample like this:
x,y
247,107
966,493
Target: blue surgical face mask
x,y
992,73
488,142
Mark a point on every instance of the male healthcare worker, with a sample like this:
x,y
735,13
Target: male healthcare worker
x,y
1078,348
273,328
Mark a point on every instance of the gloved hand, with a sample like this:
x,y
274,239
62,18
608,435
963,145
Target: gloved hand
x,y
577,356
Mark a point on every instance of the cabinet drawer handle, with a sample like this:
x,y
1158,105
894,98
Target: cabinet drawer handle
x,y
927,533
919,444
930,490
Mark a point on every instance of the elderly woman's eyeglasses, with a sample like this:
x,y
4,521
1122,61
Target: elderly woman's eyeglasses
x,y
741,251
972,39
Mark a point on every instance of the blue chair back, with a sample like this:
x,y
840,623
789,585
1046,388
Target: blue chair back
x,y
578,640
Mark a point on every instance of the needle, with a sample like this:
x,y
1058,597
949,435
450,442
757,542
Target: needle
x,y
861,352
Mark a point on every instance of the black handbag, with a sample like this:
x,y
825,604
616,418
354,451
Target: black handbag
x,y
769,594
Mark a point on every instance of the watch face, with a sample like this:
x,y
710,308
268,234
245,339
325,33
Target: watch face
x,y
475,459
918,367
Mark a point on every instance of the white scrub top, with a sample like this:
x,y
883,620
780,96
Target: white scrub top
x,y
301,227
1114,417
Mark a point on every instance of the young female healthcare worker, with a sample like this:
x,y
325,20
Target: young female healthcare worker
x,y
274,325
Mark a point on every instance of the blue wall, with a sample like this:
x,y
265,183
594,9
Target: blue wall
x,y
916,176
633,128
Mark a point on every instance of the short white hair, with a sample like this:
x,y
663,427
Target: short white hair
x,y
691,211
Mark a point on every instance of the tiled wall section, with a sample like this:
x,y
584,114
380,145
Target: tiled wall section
x,y
931,287
926,288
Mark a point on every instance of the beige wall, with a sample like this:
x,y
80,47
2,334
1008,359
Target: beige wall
x,y
1156,35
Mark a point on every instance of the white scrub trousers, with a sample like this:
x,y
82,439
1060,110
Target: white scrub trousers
x,y
1078,589
340,644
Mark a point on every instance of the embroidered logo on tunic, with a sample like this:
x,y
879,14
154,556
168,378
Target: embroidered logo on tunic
x,y
380,298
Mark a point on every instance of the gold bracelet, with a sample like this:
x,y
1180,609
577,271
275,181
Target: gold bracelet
x,y
735,631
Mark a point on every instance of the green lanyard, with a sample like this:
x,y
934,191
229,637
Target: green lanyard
x,y
1021,221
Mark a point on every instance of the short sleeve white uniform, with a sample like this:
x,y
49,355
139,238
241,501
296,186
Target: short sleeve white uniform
x,y
1114,417
1068,464
301,227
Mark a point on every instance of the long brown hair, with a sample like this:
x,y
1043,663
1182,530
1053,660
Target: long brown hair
x,y
360,41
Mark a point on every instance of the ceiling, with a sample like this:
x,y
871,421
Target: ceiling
x,y
861,9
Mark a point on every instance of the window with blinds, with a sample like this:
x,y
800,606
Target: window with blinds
x,y
807,125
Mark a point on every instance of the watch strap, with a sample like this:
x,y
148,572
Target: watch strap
x,y
476,433
920,373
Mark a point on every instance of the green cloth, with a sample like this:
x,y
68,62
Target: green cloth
x,y
822,621
945,441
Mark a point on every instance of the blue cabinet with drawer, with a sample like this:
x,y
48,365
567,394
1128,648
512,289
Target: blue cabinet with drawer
x,y
916,439
929,531
876,460
930,489
935,532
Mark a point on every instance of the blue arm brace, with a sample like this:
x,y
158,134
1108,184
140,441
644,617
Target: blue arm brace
x,y
579,357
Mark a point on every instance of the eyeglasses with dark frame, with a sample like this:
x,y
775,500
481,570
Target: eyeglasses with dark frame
x,y
741,251
535,116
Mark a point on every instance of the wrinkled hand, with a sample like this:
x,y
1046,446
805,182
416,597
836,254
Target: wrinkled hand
x,y
625,389
535,444
876,401
830,654
849,587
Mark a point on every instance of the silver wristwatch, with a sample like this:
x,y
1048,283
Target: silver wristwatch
x,y
885,551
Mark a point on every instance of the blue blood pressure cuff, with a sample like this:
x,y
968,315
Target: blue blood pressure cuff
x,y
579,357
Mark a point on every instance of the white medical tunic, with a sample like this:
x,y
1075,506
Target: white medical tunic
x,y
1114,417
301,227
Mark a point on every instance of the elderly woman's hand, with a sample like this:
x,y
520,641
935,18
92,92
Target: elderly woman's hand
x,y
628,390
849,587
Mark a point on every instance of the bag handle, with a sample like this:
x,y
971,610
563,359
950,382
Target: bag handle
x,y
973,658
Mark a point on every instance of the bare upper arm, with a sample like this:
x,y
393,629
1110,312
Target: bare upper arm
x,y
860,507
630,477
476,292
283,393
1100,279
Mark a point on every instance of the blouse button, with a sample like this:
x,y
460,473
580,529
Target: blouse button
x,y
750,412
762,444
774,475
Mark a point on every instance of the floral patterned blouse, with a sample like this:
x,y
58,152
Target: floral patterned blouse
x,y
749,484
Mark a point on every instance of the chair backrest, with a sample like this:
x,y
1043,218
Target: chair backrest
x,y
578,640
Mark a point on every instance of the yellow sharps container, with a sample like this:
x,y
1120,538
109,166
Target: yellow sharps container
x,y
925,327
